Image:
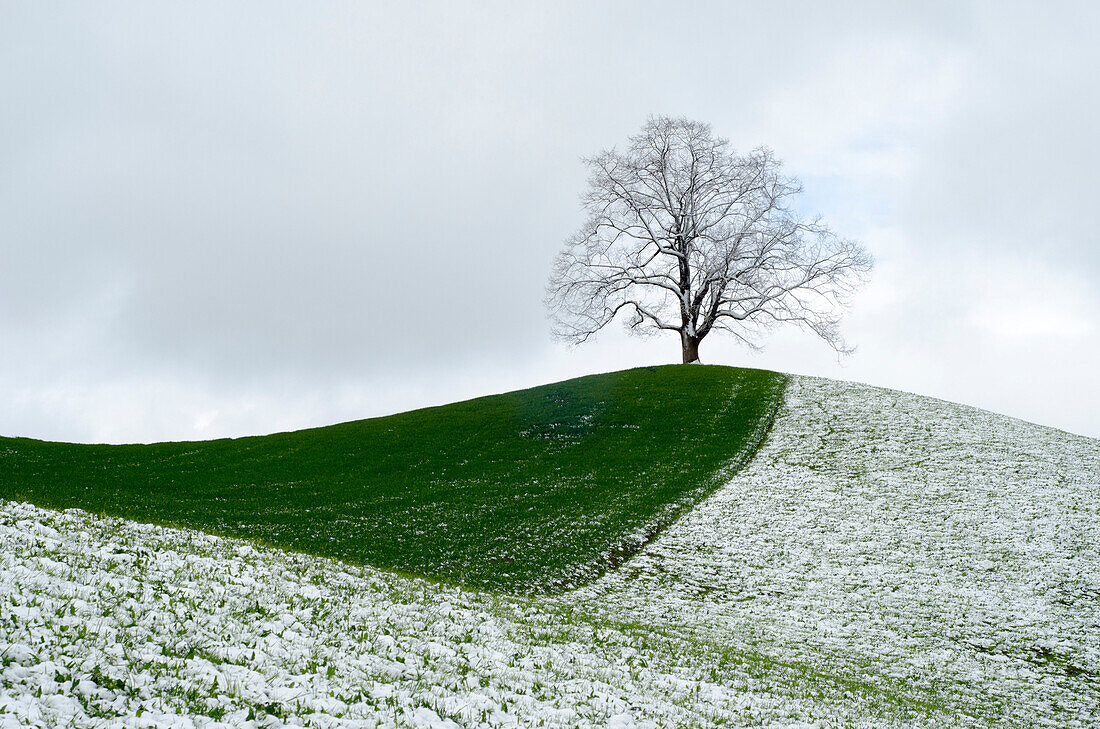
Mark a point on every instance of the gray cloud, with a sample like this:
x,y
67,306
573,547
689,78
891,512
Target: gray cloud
x,y
220,219
1012,169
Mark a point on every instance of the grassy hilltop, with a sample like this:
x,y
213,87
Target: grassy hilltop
x,y
883,560
521,491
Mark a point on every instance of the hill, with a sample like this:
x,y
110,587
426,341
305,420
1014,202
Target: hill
x,y
525,491
885,560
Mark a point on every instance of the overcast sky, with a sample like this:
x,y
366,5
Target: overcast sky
x,y
234,218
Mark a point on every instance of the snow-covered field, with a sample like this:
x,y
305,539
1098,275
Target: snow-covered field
x,y
886,560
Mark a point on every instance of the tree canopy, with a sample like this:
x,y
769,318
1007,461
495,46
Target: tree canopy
x,y
685,235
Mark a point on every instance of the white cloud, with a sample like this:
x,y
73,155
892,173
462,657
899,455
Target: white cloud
x,y
858,112
237,219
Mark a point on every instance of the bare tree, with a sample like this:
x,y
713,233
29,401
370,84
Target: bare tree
x,y
684,235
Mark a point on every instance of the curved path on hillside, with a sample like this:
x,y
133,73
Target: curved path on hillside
x,y
886,560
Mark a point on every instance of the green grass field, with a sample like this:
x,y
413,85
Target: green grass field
x,y
522,491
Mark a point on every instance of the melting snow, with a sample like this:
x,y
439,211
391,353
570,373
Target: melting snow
x,y
886,560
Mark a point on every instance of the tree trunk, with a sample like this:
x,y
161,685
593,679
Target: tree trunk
x,y
691,348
